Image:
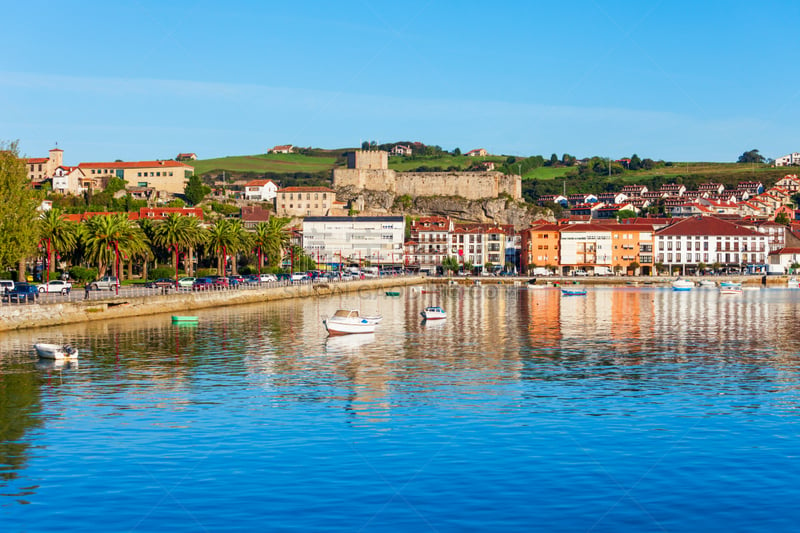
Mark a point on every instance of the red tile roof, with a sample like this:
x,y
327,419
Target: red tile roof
x,y
305,189
137,164
707,226
257,183
34,160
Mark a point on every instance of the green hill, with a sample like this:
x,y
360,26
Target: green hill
x,y
313,162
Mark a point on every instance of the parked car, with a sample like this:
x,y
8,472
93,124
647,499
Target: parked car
x,y
267,278
160,283
234,281
252,279
6,285
579,273
186,282
203,284
106,282
22,292
56,285
299,276
220,282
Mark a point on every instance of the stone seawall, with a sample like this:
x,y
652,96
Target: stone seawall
x,y
39,315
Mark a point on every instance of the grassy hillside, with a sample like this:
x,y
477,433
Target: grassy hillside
x,y
268,163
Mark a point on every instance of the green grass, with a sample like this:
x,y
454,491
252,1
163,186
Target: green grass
x,y
547,173
278,163
404,164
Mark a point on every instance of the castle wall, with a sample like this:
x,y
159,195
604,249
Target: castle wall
x,y
368,160
469,185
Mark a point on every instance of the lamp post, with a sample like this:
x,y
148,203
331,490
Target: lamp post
x,y
177,264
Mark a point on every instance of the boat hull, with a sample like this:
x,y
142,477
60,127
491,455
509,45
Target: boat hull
x,y
344,327
567,292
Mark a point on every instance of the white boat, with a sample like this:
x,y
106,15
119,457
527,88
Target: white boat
x,y
349,321
682,285
707,283
433,312
793,283
375,319
731,289
55,351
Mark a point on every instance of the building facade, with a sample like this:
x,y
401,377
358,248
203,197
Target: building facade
x,y
342,241
304,201
168,175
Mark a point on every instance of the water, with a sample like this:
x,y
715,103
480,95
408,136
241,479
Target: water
x,y
627,409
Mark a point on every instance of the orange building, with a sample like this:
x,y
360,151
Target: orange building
x,y
540,246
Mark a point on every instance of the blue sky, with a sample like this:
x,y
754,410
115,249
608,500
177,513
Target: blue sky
x,y
673,80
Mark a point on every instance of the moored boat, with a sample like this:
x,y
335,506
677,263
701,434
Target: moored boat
x,y
707,283
184,318
731,289
55,351
349,321
573,292
392,293
433,312
682,285
793,283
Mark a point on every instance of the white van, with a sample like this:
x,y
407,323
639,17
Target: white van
x,y
6,285
602,271
542,271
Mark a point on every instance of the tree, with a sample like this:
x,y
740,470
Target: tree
x,y
634,267
105,235
553,159
783,218
450,263
172,234
18,203
635,163
457,151
278,239
365,145
751,156
195,191
58,233
626,213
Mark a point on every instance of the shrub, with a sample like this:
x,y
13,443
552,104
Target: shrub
x,y
8,274
161,272
204,272
83,275
247,270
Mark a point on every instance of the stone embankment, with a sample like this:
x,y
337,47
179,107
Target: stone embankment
x,y
39,315
768,281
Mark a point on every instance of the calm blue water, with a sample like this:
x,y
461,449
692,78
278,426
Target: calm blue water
x,y
627,409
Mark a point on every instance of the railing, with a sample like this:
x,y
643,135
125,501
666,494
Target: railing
x,y
140,291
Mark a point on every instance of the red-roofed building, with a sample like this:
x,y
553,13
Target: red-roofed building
x,y
159,213
304,201
477,152
168,175
252,215
710,240
432,235
782,259
189,156
282,149
263,190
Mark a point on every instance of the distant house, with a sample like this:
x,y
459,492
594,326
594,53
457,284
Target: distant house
x,y
751,187
251,215
673,189
633,190
282,149
486,165
477,152
400,149
788,160
711,188
186,157
304,201
260,190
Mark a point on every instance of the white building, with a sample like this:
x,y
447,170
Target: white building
x,y
354,240
264,190
67,180
585,244
788,160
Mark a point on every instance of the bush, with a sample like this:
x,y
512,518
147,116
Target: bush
x,y
9,274
161,272
204,272
247,270
83,275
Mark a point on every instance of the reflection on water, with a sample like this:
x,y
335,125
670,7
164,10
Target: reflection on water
x,y
527,381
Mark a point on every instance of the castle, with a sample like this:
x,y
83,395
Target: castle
x,y
370,170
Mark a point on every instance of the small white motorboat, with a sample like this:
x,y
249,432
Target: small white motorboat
x,y
793,283
707,283
55,351
349,321
731,289
682,285
433,312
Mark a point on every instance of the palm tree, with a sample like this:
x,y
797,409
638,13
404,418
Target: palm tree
x,y
240,241
172,234
58,233
278,238
106,237
260,240
197,237
221,240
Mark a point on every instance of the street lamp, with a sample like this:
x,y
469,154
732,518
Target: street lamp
x,y
116,264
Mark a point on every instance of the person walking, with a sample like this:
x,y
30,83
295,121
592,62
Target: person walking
x,y
86,289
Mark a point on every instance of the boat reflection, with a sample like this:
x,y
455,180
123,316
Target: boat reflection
x,y
348,343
